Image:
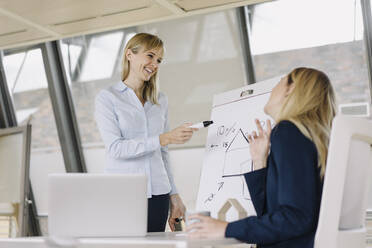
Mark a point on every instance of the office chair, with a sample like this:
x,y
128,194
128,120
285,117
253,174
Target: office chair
x,y
346,183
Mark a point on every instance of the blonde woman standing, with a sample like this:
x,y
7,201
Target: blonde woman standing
x,y
132,118
289,164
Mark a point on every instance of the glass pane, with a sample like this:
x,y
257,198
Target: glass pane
x,y
194,61
97,66
286,35
274,21
71,58
102,48
28,88
203,57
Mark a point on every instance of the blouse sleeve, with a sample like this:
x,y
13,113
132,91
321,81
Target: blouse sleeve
x,y
165,156
116,145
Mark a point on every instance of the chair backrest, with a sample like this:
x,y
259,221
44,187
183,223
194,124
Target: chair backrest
x,y
346,183
14,171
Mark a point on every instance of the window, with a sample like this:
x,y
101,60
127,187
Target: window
x,y
195,47
202,58
293,33
91,65
28,86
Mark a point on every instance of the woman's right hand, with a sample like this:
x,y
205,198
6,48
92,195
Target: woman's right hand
x,y
179,135
259,145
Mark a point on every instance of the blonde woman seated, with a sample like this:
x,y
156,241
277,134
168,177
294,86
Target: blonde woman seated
x,y
289,164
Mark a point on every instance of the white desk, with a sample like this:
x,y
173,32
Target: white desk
x,y
152,240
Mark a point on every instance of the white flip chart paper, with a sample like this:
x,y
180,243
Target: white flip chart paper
x,y
227,156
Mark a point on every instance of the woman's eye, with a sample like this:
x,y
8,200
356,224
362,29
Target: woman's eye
x,y
159,61
150,55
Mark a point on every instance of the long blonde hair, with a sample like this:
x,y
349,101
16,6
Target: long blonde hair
x,y
311,107
135,44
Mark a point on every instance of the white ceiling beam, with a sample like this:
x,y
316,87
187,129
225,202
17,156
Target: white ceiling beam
x,y
27,22
124,25
170,6
225,6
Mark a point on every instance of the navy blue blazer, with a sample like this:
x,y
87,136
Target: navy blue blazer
x,y
286,194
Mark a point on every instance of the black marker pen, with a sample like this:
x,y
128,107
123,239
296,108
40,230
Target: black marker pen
x,y
202,124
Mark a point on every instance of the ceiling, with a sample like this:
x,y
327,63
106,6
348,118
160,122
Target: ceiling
x,y
26,22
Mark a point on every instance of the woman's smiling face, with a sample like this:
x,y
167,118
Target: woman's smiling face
x,y
144,64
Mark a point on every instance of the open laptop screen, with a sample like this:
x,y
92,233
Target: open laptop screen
x,y
97,205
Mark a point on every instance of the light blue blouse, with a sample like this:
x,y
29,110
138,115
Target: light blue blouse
x,y
131,132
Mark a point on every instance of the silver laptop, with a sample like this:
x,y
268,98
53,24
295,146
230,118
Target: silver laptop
x,y
97,205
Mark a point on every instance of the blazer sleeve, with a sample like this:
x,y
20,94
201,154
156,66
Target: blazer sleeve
x,y
108,125
256,182
295,159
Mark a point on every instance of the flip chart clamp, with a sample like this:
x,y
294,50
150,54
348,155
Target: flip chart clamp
x,y
246,93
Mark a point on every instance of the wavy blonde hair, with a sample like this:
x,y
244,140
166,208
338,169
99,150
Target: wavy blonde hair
x,y
135,44
311,107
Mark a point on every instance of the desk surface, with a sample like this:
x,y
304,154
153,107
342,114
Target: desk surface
x,y
167,239
164,237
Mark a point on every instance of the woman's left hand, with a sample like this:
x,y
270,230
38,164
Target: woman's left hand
x,y
207,227
177,210
259,145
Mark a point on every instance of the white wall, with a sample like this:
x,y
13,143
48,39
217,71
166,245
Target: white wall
x,y
186,166
185,163
43,163
11,168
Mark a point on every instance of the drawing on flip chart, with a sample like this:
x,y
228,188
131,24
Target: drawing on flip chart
x,y
235,146
227,155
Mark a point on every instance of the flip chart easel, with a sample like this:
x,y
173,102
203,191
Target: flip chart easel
x,y
227,156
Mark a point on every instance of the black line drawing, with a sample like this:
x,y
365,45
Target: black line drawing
x,y
222,130
210,198
237,149
220,185
231,129
235,164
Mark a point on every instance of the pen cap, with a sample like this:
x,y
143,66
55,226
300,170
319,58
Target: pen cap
x,y
178,226
207,123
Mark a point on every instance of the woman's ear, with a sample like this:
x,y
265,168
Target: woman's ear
x,y
290,88
129,54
